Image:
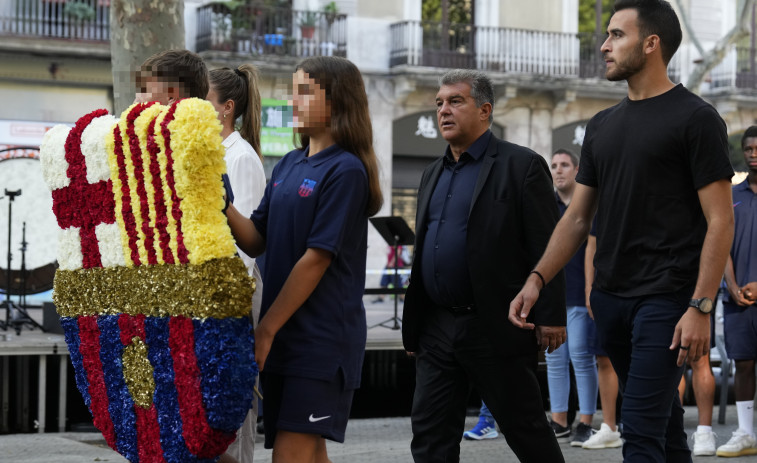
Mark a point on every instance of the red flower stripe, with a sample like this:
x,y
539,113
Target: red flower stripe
x,y
82,204
89,347
175,210
139,173
126,212
200,438
130,327
148,435
161,221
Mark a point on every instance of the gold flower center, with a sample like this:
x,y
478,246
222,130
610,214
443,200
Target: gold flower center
x,y
138,373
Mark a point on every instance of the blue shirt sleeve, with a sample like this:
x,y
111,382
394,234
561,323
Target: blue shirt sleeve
x,y
342,201
259,216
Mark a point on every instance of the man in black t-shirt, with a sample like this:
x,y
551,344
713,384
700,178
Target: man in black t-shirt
x,y
655,171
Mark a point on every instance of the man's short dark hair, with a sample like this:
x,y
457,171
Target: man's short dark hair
x,y
180,67
748,133
573,156
481,87
656,17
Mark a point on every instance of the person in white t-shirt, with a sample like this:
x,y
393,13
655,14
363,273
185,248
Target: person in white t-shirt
x,y
234,93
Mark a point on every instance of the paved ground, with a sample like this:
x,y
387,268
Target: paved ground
x,y
379,440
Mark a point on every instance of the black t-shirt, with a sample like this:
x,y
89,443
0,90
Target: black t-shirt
x,y
648,158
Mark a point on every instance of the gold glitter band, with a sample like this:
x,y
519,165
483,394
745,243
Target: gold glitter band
x,y
218,288
138,373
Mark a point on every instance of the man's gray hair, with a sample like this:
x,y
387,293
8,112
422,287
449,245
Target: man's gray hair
x,y
481,87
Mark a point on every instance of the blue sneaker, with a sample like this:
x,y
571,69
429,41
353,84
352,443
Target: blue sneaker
x,y
483,430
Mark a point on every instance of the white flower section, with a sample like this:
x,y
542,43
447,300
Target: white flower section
x,y
109,242
52,153
93,147
69,249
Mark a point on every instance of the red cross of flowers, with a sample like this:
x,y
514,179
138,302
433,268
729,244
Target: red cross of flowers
x,y
82,204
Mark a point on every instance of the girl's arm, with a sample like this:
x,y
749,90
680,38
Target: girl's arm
x,y
245,234
300,284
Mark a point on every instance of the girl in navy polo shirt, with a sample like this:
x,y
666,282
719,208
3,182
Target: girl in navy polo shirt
x,y
312,223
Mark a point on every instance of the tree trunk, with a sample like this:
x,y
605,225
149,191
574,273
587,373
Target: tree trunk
x,y
139,29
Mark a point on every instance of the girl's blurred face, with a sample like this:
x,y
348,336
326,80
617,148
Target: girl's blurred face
x,y
311,109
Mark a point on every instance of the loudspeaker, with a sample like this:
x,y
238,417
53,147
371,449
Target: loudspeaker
x,y
51,319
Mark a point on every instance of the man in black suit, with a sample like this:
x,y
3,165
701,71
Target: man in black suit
x,y
486,210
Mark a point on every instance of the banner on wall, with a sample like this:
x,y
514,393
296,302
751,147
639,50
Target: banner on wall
x,y
20,139
276,127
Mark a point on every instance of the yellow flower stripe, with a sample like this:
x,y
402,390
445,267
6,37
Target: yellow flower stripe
x,y
218,288
141,124
198,166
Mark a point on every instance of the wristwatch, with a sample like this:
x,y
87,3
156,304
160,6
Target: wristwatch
x,y
703,305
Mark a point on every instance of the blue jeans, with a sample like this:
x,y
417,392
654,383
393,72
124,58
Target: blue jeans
x,y
577,350
636,332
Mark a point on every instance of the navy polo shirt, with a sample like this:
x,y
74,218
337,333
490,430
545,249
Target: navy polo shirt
x,y
744,248
317,202
444,262
575,277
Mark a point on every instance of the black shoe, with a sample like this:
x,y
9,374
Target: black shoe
x,y
582,434
562,433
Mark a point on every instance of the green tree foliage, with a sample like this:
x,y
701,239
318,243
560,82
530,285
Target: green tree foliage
x,y
458,11
587,17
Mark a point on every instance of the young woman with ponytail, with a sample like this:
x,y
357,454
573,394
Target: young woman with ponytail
x,y
234,93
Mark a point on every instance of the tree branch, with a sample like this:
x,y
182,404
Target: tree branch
x,y
714,56
689,30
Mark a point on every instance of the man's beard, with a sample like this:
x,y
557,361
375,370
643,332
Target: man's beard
x,y
629,66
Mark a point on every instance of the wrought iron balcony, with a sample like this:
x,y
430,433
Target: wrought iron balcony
x,y
737,70
82,20
500,49
257,29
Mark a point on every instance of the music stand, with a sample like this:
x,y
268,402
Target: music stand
x,y
16,315
395,232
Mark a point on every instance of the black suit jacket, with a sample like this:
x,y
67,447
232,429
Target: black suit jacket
x,y
512,215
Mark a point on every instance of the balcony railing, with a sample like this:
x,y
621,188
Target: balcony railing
x,y
499,49
258,29
737,70
59,19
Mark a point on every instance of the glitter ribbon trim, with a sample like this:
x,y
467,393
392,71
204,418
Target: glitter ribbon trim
x,y
218,288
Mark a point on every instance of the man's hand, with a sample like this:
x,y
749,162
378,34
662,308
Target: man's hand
x,y
521,306
550,338
749,291
692,336
737,295
587,292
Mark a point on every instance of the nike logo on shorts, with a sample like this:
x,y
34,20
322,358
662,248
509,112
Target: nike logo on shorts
x,y
313,419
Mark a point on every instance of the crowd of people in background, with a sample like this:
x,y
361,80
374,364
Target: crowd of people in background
x,y
609,262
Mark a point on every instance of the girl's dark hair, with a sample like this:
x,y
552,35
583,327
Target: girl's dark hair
x,y
241,86
350,119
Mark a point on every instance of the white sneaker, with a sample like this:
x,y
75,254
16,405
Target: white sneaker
x,y
740,444
704,443
605,438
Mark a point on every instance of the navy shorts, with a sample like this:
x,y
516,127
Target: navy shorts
x,y
740,329
305,405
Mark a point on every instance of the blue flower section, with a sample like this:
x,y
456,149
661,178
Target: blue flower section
x,y
120,403
225,355
71,333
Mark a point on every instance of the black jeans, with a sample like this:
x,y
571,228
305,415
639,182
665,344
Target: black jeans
x,y
636,333
454,353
